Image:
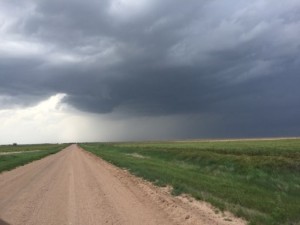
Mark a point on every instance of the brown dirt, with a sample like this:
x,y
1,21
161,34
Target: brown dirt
x,y
76,187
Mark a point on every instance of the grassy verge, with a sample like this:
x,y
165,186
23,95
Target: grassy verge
x,y
28,153
256,180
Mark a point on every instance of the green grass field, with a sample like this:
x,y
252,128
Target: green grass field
x,y
28,153
256,180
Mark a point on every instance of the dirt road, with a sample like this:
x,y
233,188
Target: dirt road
x,y
75,187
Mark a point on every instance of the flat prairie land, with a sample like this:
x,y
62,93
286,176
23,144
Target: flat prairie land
x,y
13,156
76,187
258,180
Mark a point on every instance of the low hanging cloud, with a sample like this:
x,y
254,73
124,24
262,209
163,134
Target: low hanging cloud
x,y
234,62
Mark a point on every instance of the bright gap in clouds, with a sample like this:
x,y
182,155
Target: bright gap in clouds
x,y
127,10
52,121
49,121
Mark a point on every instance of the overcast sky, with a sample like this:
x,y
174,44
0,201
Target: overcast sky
x,y
104,70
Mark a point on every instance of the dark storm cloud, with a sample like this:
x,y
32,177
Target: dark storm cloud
x,y
236,59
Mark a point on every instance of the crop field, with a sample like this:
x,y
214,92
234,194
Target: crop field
x,y
258,180
12,156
